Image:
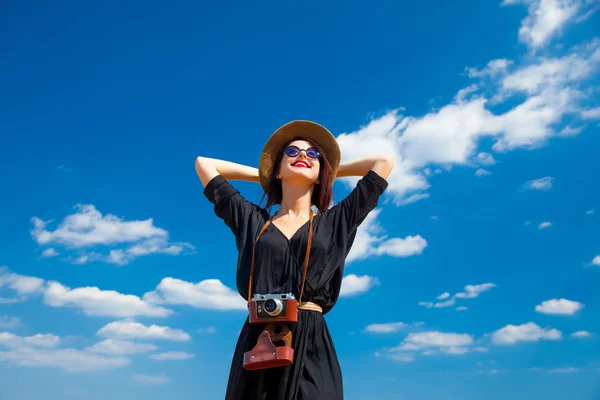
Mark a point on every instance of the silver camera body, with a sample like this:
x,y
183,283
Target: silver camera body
x,y
272,305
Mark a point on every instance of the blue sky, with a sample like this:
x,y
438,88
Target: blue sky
x,y
474,278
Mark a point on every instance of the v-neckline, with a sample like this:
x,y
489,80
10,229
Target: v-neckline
x,y
289,239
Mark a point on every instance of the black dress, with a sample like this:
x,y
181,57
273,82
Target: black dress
x,y
315,373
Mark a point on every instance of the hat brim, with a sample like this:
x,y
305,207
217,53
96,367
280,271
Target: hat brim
x,y
286,133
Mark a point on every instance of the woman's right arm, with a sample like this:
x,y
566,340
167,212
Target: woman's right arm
x,y
208,168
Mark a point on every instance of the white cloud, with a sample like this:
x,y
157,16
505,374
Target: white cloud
x,y
96,302
559,307
473,291
208,294
461,308
210,329
385,328
421,340
593,113
545,225
544,183
87,227
7,322
151,379
545,19
25,286
485,159
40,340
482,172
70,360
589,212
370,241
121,347
49,252
136,330
172,355
432,343
549,95
492,69
596,261
529,332
582,334
353,285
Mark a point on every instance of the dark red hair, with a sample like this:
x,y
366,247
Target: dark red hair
x,y
322,192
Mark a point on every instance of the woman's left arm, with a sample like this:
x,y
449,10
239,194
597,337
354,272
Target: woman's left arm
x,y
381,165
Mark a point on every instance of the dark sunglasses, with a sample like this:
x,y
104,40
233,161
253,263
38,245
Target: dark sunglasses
x,y
293,151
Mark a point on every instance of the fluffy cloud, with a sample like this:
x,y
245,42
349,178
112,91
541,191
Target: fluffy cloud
x,y
473,291
539,184
121,347
87,227
470,292
582,334
24,286
529,332
371,241
545,225
559,307
207,294
353,285
545,19
595,261
385,328
136,330
96,302
172,355
543,94
40,340
49,252
70,360
432,343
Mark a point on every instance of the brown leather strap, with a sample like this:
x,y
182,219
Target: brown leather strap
x,y
308,246
252,265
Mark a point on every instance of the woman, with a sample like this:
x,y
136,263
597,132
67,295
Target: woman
x,y
296,171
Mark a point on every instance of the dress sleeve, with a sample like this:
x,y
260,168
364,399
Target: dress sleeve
x,y
239,214
352,211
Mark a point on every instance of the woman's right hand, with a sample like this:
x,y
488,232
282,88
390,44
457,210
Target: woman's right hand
x,y
208,168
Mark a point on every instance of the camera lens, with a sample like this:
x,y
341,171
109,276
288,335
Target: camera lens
x,y
273,307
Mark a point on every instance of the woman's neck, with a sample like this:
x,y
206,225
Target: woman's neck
x,y
296,201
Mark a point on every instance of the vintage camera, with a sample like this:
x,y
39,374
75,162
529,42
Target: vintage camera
x,y
271,308
274,345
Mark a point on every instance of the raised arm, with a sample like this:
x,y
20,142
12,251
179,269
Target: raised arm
x,y
381,165
208,168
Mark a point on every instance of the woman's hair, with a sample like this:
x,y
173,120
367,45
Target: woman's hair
x,y
322,193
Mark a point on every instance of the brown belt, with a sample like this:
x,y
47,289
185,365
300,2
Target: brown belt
x,y
310,306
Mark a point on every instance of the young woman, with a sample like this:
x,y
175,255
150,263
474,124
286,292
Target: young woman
x,y
296,171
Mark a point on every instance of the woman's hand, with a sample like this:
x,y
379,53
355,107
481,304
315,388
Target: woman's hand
x,y
381,165
208,168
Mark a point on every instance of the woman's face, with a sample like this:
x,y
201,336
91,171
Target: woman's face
x,y
300,168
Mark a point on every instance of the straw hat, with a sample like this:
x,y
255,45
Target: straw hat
x,y
286,133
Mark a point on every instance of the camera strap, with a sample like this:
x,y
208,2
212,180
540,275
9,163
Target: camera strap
x,y
308,246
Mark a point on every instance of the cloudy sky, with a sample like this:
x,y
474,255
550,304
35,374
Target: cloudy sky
x,y
476,276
